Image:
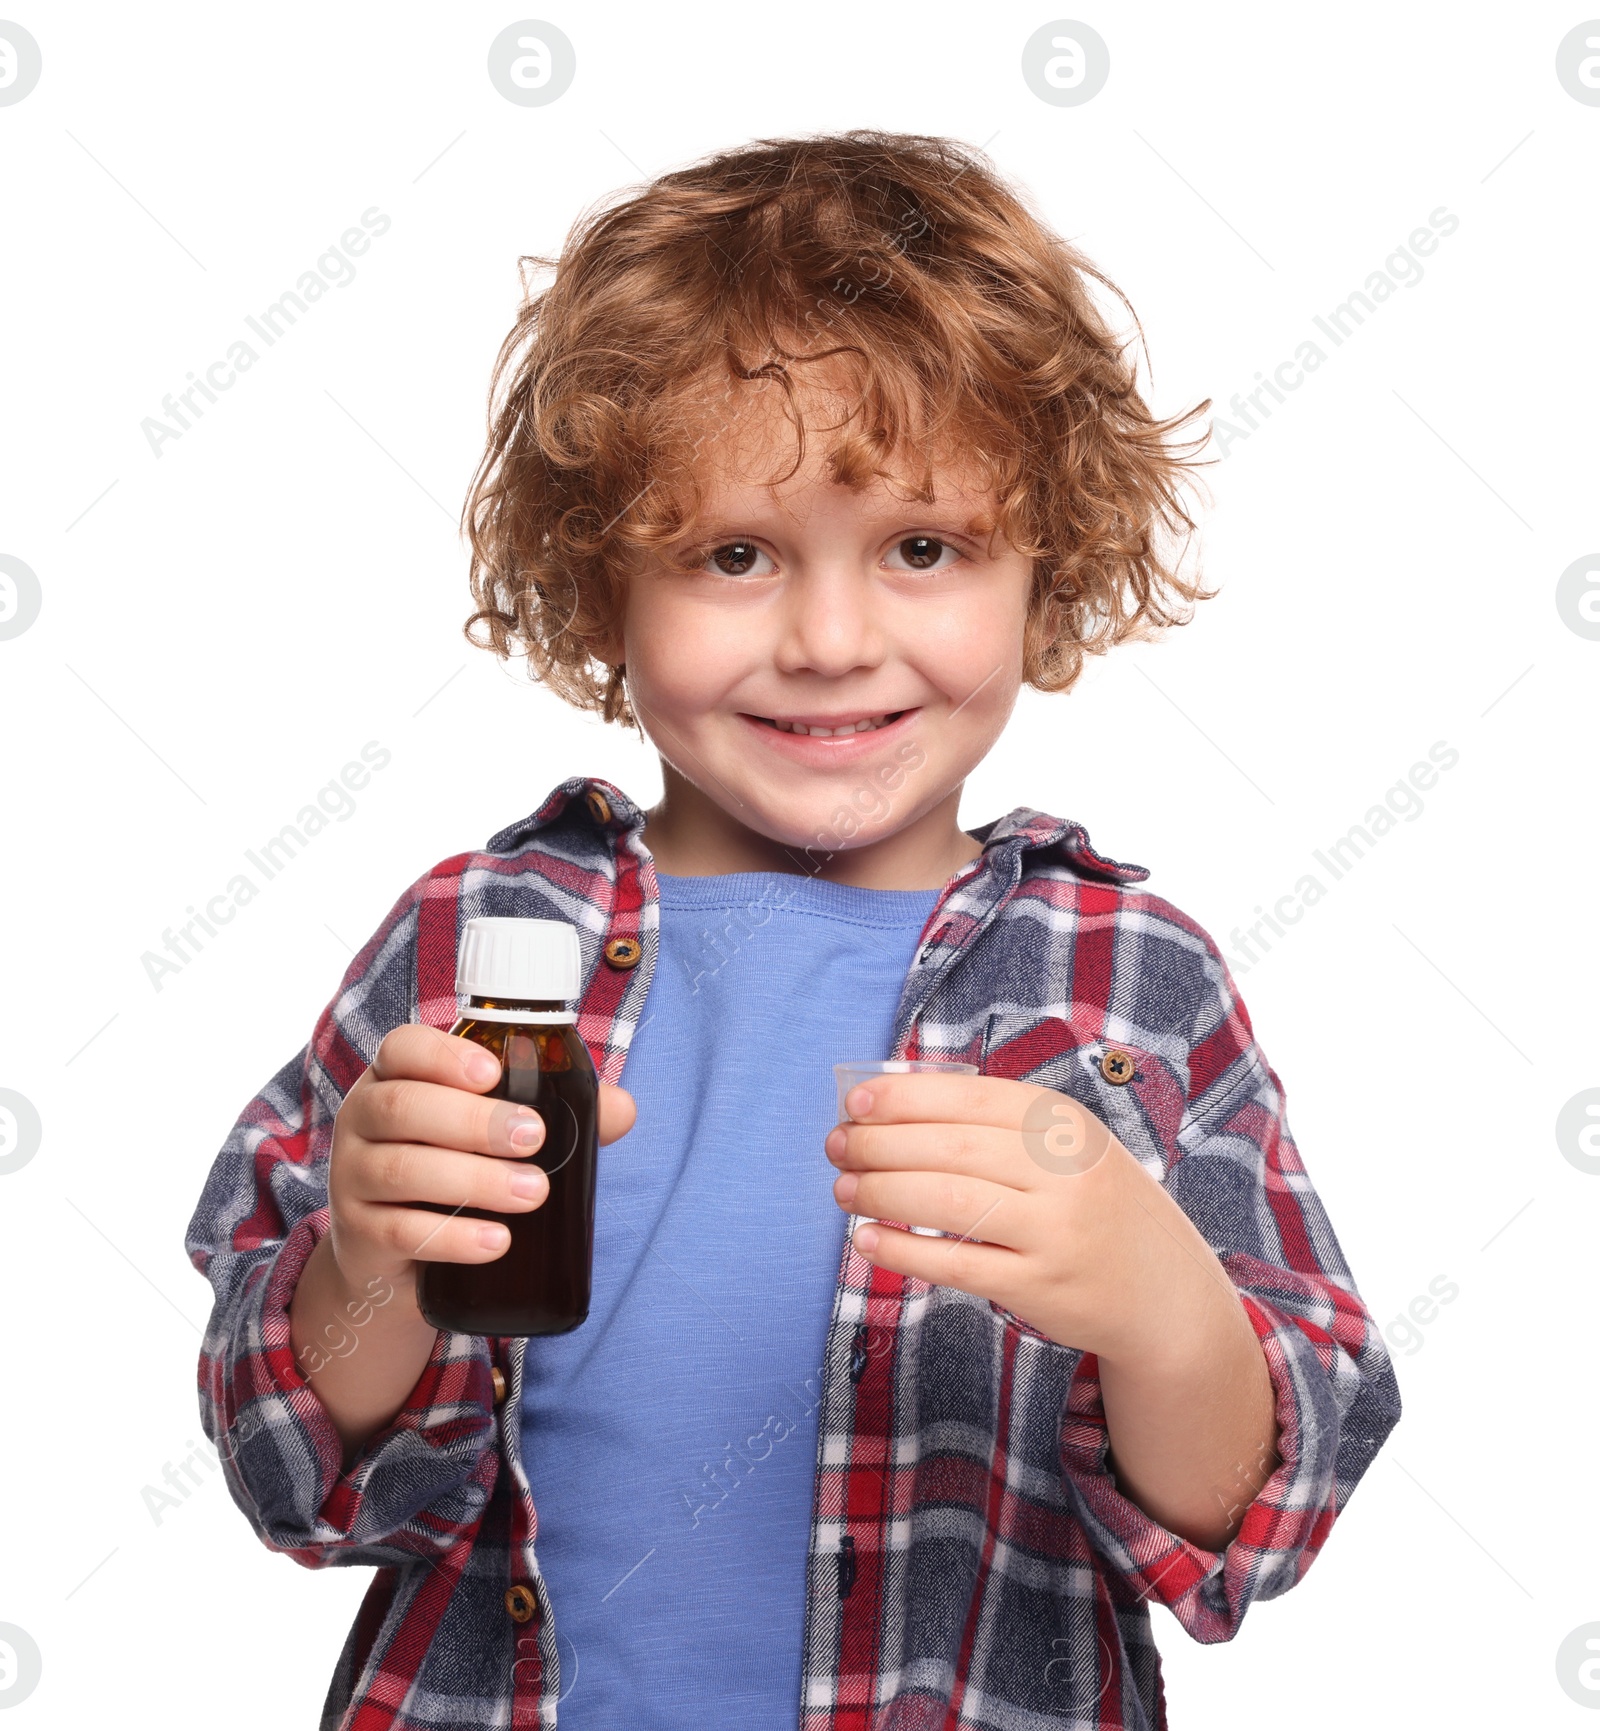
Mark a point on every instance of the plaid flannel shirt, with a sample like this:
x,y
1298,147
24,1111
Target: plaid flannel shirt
x,y
972,1562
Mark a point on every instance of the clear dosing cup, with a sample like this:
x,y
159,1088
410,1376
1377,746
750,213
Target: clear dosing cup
x,y
848,1075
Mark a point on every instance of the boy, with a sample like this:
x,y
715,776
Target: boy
x,y
808,458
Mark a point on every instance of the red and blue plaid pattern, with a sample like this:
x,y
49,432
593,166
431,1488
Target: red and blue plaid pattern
x,y
972,1562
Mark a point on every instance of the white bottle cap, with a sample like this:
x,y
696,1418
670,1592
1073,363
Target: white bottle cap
x,y
517,958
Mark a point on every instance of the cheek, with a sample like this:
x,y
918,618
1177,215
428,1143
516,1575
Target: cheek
x,y
975,650
656,630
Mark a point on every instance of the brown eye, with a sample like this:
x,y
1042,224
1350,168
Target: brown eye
x,y
923,552
735,558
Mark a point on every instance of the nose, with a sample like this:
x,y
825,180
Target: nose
x,y
829,623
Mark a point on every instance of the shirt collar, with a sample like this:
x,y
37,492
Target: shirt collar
x,y
587,800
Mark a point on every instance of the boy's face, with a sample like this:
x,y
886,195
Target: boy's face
x,y
812,603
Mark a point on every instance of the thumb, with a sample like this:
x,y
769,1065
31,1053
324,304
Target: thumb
x,y
617,1112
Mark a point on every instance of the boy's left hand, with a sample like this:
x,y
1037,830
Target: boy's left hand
x,y
1049,1215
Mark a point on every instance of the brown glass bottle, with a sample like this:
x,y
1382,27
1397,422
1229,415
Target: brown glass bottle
x,y
541,1284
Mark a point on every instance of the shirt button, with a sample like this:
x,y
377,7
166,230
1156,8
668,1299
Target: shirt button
x,y
498,1378
520,1604
599,805
1117,1067
623,952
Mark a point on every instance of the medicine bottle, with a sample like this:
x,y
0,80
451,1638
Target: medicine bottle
x,y
518,977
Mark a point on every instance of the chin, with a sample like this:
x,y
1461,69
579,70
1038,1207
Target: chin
x,y
829,827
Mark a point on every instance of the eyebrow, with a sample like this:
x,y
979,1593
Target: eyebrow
x,y
953,512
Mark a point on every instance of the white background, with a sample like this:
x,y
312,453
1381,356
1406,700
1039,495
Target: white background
x,y
224,628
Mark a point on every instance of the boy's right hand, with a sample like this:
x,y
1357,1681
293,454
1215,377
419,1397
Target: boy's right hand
x,y
414,1128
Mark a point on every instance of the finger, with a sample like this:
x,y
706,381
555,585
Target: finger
x,y
970,1208
978,1150
408,1110
617,1112
429,1235
928,1096
984,1270
403,1172
1055,1136
425,1054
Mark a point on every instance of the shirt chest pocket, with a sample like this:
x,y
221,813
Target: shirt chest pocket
x,y
1138,1094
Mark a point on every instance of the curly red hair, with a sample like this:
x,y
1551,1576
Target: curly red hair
x,y
964,327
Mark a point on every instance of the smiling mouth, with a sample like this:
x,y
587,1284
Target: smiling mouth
x,y
869,724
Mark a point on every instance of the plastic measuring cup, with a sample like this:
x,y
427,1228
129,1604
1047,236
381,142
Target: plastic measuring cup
x,y
848,1075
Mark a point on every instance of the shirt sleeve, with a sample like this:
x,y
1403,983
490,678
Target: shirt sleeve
x,y
1235,1171
421,1484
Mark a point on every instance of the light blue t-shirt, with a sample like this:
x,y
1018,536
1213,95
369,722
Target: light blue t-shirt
x,y
671,1439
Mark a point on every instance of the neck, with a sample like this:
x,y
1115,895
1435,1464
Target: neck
x,y
690,835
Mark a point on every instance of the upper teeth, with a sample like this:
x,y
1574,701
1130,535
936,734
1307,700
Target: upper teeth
x,y
833,732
